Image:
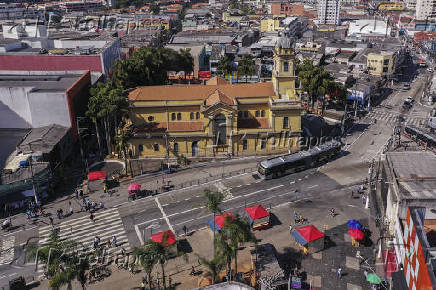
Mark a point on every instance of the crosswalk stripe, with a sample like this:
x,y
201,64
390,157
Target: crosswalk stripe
x,y
80,219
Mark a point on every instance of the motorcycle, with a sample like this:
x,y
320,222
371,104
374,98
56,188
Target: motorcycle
x,y
6,225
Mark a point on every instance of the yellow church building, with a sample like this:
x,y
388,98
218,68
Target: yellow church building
x,y
218,117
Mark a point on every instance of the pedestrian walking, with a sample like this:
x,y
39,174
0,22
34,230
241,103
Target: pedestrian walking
x,y
114,241
339,272
105,188
185,230
91,216
101,204
192,271
51,220
71,210
363,199
142,285
76,193
352,193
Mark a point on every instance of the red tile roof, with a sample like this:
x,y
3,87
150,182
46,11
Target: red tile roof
x,y
218,96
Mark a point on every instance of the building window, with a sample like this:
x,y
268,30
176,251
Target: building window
x,y
176,148
385,69
245,114
156,147
150,118
386,62
244,144
285,122
286,66
239,114
263,143
179,116
173,116
141,148
191,116
197,115
262,113
257,114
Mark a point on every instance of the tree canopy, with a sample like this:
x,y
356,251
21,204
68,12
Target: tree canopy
x,y
246,66
224,67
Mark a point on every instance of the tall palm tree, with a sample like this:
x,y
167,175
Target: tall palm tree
x,y
224,250
214,266
62,263
224,67
213,203
122,139
148,260
246,66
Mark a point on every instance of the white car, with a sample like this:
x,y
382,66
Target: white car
x,y
430,70
409,99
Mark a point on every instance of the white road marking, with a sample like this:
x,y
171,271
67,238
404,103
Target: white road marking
x,y
275,187
248,194
138,233
313,186
164,214
292,182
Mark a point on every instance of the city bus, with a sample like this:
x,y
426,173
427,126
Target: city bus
x,y
423,139
287,164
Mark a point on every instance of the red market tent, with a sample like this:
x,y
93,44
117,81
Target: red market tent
x,y
356,234
310,233
134,186
259,216
168,235
219,221
96,175
257,212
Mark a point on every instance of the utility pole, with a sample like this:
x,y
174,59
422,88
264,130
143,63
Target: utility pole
x,y
33,182
84,160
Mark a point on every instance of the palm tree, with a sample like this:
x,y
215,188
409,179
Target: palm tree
x,y
94,107
224,67
238,231
246,66
225,251
62,262
214,266
147,259
213,205
122,143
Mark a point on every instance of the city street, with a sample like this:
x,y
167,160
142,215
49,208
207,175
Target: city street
x,y
133,222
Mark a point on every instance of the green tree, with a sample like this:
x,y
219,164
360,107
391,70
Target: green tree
x,y
224,67
154,8
246,66
214,267
236,231
315,81
213,203
121,140
186,61
94,107
62,262
148,259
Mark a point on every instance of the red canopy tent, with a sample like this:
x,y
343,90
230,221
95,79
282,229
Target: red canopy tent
x,y
259,216
310,233
159,238
219,221
96,175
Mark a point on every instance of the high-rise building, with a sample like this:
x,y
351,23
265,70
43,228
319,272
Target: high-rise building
x,y
425,9
328,12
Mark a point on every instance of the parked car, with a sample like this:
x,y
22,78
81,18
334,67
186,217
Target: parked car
x,y
410,99
406,87
430,70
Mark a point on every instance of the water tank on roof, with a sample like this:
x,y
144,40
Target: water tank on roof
x,y
23,163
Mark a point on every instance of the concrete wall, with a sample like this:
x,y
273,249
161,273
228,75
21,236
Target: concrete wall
x,y
21,108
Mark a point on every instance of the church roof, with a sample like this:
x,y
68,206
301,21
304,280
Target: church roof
x,y
218,96
201,92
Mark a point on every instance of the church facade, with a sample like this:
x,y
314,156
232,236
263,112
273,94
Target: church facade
x,y
218,117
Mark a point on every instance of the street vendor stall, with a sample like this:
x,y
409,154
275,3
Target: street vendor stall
x,y
259,217
356,235
219,222
167,238
306,235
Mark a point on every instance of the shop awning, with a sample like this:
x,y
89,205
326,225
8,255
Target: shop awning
x,y
96,175
257,212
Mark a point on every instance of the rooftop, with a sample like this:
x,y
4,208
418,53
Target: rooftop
x,y
368,27
415,172
39,83
201,92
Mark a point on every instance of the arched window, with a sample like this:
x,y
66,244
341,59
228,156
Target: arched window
x,y
156,147
257,114
262,113
191,116
197,115
286,66
173,116
141,148
179,116
176,148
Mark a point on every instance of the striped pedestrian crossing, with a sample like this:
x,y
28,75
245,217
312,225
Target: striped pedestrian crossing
x,y
82,230
391,117
7,250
